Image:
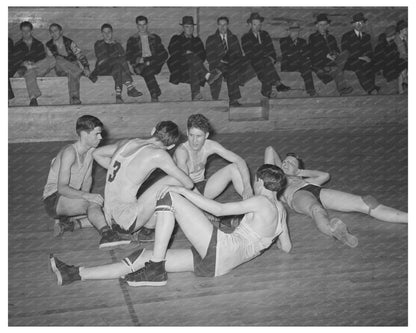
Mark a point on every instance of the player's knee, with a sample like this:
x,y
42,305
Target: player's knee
x,y
370,202
132,259
164,204
317,209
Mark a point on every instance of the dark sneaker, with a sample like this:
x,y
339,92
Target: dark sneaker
x,y
340,232
33,102
154,99
281,88
119,100
112,238
75,101
197,97
93,78
62,225
65,274
346,91
374,91
235,104
214,75
152,274
145,235
313,93
133,92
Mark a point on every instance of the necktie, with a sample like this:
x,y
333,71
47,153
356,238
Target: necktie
x,y
224,44
258,38
405,44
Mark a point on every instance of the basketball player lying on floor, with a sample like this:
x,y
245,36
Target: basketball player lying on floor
x,y
213,252
128,164
305,195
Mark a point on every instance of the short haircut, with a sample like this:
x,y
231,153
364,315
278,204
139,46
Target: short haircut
x,y
87,123
274,179
26,24
106,25
167,132
199,121
301,164
141,18
225,18
55,25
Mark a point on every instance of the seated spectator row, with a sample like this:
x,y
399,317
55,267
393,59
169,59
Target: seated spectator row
x,y
145,55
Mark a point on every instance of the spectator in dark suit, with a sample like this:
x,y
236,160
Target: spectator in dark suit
x,y
387,57
224,54
111,60
11,70
327,61
186,61
146,55
258,48
360,59
295,57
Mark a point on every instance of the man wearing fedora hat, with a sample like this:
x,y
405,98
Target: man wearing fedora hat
x,y
358,44
258,48
387,58
327,61
295,57
186,61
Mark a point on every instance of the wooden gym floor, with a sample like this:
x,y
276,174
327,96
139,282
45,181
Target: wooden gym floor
x,y
321,282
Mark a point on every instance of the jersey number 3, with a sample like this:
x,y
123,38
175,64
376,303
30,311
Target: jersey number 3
x,y
116,167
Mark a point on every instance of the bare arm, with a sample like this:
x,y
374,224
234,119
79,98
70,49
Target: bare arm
x,y
314,176
241,165
64,175
165,162
216,208
104,154
284,242
181,157
272,157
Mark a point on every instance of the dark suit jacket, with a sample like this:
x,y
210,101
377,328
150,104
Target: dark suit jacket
x,y
319,48
21,53
258,55
177,62
356,48
256,52
159,53
215,51
387,59
293,56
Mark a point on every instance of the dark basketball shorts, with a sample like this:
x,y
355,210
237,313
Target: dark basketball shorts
x,y
50,203
205,267
314,189
200,186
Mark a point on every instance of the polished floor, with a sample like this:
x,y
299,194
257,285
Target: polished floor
x,y
321,282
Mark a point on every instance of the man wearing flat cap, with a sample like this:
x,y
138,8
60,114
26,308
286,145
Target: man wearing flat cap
x,y
387,58
258,48
327,61
187,55
295,57
360,59
224,53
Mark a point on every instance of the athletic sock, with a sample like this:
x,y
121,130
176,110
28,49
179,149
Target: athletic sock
x,y
129,85
118,91
104,229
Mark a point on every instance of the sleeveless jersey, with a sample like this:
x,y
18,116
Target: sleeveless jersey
x,y
78,171
243,244
196,167
119,188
